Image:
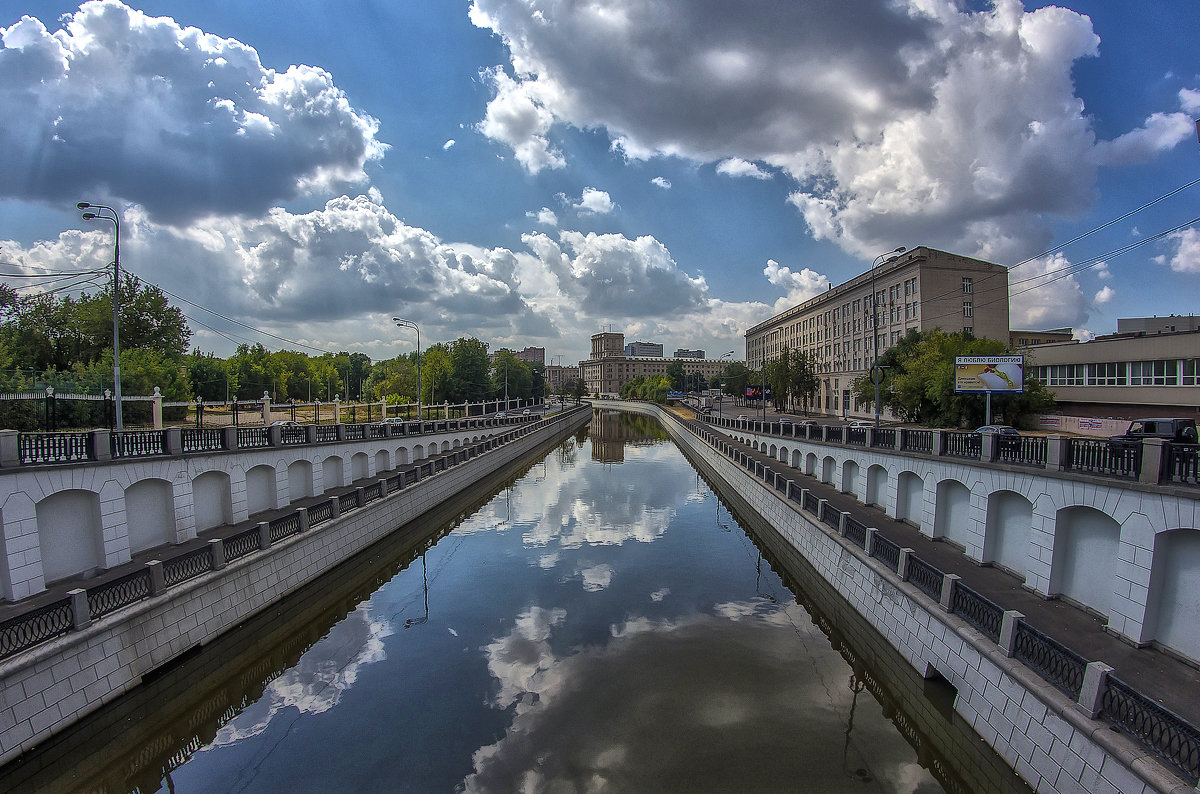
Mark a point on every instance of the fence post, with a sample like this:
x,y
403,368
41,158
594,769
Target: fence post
x,y
302,512
336,505
869,542
1091,694
842,518
81,616
264,535
1154,452
987,447
173,441
1008,631
821,509
157,582
949,580
360,497
274,436
1058,452
310,434
902,564
101,445
10,450
787,490
803,497
217,549
939,443
229,438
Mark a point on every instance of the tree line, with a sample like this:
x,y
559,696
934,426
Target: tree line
x,y
65,343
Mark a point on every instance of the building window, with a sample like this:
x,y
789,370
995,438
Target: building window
x,y
967,285
1191,372
1154,373
1065,375
968,309
969,330
1111,373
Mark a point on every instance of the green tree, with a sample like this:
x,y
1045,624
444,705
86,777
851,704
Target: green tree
x,y
918,383
676,376
469,381
437,375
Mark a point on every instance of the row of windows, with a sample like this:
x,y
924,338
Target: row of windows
x,y
1162,372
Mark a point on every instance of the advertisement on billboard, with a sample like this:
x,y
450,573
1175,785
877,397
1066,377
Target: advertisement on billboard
x,y
989,374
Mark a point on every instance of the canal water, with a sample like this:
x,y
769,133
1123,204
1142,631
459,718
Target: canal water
x,y
600,622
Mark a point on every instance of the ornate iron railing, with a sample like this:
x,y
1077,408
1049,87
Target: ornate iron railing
x,y
1182,464
1023,450
291,435
856,436
1050,659
884,438
925,577
856,532
253,437
320,513
831,516
833,433
109,597
348,501
913,440
1114,458
886,551
327,433
978,610
203,439
963,445
186,566
811,503
54,447
286,526
242,544
35,627
372,492
1156,727
354,432
136,443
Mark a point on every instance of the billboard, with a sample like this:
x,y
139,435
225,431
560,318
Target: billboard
x,y
983,374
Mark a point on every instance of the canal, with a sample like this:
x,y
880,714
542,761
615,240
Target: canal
x,y
600,622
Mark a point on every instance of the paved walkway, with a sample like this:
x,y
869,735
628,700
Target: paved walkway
x,y
1158,675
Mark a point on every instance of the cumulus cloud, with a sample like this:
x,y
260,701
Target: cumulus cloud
x,y
959,128
594,202
121,105
448,144
800,286
1043,295
1185,254
1105,295
1189,100
544,216
518,117
737,167
662,182
1083,335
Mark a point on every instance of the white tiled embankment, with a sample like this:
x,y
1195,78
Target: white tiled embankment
x,y
57,683
1037,730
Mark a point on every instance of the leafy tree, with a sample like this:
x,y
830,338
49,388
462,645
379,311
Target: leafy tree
x,y
804,382
676,376
512,375
469,381
918,383
437,374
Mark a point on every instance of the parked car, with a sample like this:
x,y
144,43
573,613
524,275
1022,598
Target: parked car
x,y
783,420
525,412
501,415
742,416
1004,430
807,423
862,423
284,423
1182,431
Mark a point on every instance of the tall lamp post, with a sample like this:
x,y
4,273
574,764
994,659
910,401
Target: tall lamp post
x,y
722,381
876,375
105,213
410,324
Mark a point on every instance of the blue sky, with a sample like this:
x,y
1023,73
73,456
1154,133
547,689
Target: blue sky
x,y
532,171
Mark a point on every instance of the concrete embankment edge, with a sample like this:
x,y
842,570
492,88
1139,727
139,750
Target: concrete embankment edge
x,y
58,683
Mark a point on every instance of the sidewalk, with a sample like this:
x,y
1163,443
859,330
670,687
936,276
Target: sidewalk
x,y
1169,681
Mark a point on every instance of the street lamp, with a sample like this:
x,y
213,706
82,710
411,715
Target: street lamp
x,y
410,324
99,215
721,381
889,257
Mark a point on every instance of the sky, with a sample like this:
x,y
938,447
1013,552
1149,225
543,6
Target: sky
x,y
531,172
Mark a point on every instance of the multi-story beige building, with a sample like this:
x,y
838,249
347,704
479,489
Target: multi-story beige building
x,y
1018,338
920,290
557,375
1128,376
609,368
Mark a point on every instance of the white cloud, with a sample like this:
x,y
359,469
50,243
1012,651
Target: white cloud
x,y
1043,295
800,286
1185,258
737,167
518,118
1189,100
448,144
121,105
594,202
662,182
544,216
1105,295
957,128
1082,335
